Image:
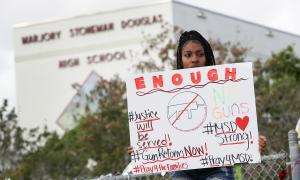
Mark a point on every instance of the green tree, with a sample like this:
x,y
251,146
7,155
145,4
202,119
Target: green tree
x,y
101,136
12,143
278,97
106,131
16,141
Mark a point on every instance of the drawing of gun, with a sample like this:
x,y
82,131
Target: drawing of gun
x,y
178,108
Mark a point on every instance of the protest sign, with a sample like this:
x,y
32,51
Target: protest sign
x,y
192,118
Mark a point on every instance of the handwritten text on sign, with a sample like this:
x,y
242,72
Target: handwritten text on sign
x,y
192,118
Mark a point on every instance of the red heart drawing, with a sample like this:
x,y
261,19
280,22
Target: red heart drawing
x,y
242,123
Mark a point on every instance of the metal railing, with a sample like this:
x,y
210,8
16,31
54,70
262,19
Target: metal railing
x,y
271,167
274,166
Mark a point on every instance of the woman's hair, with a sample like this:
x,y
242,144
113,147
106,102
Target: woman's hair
x,y
194,36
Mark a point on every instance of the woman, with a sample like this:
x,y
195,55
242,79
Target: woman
x,y
194,51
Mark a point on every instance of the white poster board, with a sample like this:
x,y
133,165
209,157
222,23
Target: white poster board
x,y
192,118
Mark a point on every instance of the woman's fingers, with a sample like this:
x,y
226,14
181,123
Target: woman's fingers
x,y
129,150
262,143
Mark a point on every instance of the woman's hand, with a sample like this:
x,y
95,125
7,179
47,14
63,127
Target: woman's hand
x,y
262,143
129,150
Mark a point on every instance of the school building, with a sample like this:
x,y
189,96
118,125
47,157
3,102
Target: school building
x,y
58,61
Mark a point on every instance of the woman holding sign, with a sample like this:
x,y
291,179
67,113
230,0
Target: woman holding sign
x,y
194,51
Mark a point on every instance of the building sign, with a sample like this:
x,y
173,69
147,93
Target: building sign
x,y
93,29
141,21
39,38
192,118
92,59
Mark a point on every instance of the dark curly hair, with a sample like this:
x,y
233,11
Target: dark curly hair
x,y
191,36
